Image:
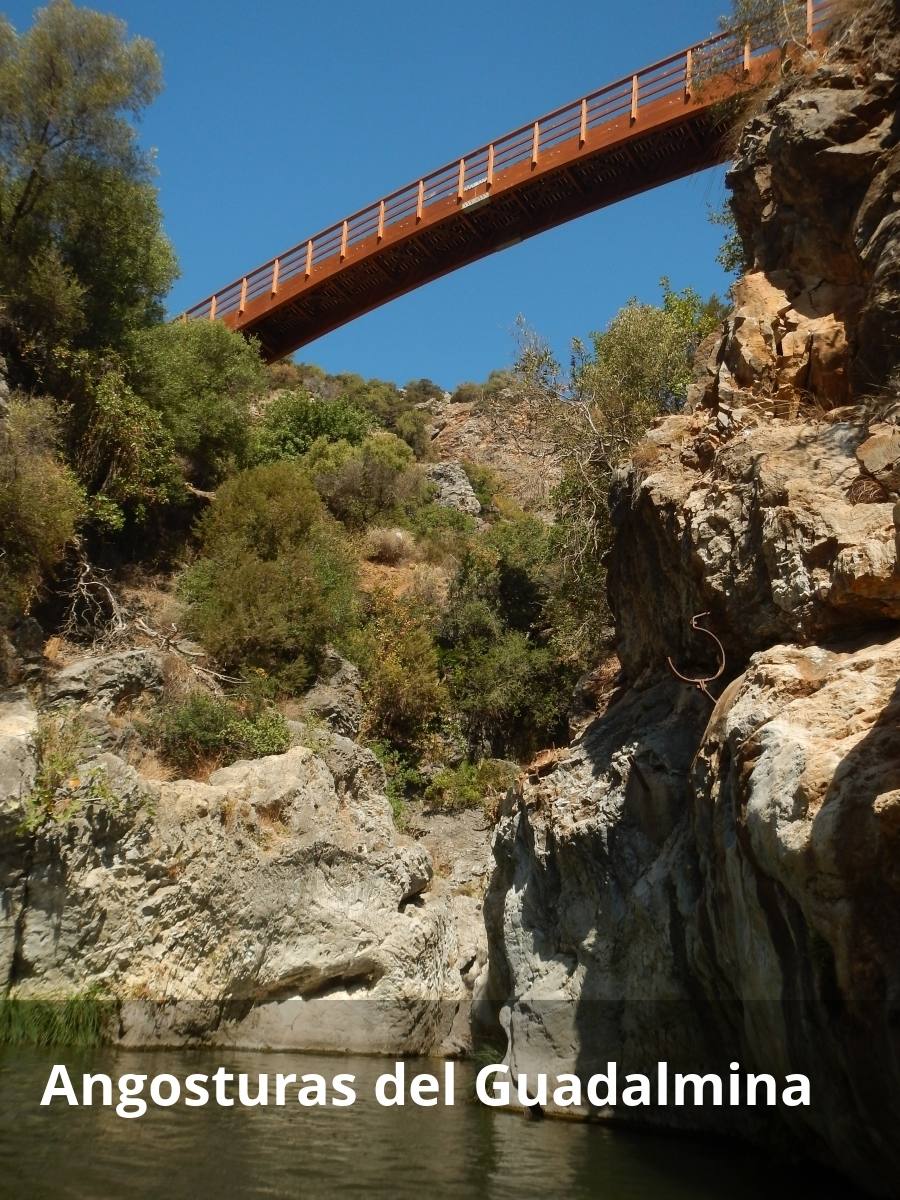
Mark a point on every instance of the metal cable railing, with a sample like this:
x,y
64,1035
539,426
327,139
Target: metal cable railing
x,y
682,73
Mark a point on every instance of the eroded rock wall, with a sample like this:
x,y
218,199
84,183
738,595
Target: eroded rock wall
x,y
272,906
702,883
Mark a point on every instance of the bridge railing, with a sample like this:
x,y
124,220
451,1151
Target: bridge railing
x,y
463,178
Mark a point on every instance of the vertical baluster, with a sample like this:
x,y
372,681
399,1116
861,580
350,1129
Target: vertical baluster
x,y
582,131
276,271
243,301
309,258
748,55
212,308
420,200
535,143
380,220
345,235
461,185
490,166
688,74
634,97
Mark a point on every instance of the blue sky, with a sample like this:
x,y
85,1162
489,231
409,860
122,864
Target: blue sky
x,y
281,116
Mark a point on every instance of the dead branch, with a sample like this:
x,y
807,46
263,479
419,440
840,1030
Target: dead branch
x,y
93,608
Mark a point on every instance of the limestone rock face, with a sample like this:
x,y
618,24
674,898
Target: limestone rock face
x,y
814,192
758,526
106,680
698,883
18,768
337,695
18,755
272,906
462,431
652,901
453,489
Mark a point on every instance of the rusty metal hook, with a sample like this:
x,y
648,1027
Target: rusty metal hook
x,y
701,683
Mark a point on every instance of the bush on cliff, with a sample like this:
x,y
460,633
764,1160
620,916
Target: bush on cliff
x,y
40,502
506,681
376,480
200,378
396,653
294,420
205,730
274,582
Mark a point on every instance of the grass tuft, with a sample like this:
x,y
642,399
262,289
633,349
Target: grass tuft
x,y
80,1019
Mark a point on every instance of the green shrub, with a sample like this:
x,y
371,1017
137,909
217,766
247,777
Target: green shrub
x,y
482,394
375,480
443,534
484,481
404,779
293,421
201,378
204,728
469,785
61,788
396,652
124,455
40,503
388,405
506,682
275,581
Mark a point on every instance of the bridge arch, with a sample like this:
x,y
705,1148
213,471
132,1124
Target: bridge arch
x,y
649,128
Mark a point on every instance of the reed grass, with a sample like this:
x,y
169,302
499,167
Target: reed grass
x,y
80,1019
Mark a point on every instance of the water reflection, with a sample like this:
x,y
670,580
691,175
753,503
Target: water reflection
x,y
366,1150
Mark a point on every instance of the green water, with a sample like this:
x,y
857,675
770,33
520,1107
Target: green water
x,y
366,1150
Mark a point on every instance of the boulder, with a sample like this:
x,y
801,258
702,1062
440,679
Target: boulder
x,y
106,680
879,456
272,906
336,696
452,487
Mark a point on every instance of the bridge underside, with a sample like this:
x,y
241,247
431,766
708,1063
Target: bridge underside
x,y
522,202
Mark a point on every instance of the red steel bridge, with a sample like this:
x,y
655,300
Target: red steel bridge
x,y
660,124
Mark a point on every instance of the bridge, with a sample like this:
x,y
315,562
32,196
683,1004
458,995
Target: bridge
x,y
657,125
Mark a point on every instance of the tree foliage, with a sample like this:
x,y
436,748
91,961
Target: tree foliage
x,y
274,582
507,684
40,502
372,481
84,259
200,378
294,420
593,413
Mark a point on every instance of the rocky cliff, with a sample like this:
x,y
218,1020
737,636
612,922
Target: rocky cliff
x,y
274,905
710,873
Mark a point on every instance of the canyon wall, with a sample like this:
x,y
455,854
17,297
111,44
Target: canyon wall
x,y
709,876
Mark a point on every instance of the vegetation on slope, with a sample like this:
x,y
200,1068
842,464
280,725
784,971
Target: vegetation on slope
x,y
323,529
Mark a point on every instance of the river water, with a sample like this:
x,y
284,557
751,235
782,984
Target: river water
x,y
235,1153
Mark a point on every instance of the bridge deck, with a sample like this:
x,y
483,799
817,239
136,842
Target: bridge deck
x,y
650,128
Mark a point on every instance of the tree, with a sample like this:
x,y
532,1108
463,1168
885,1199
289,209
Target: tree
x,y
294,420
83,256
274,582
200,378
506,682
594,413
40,502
